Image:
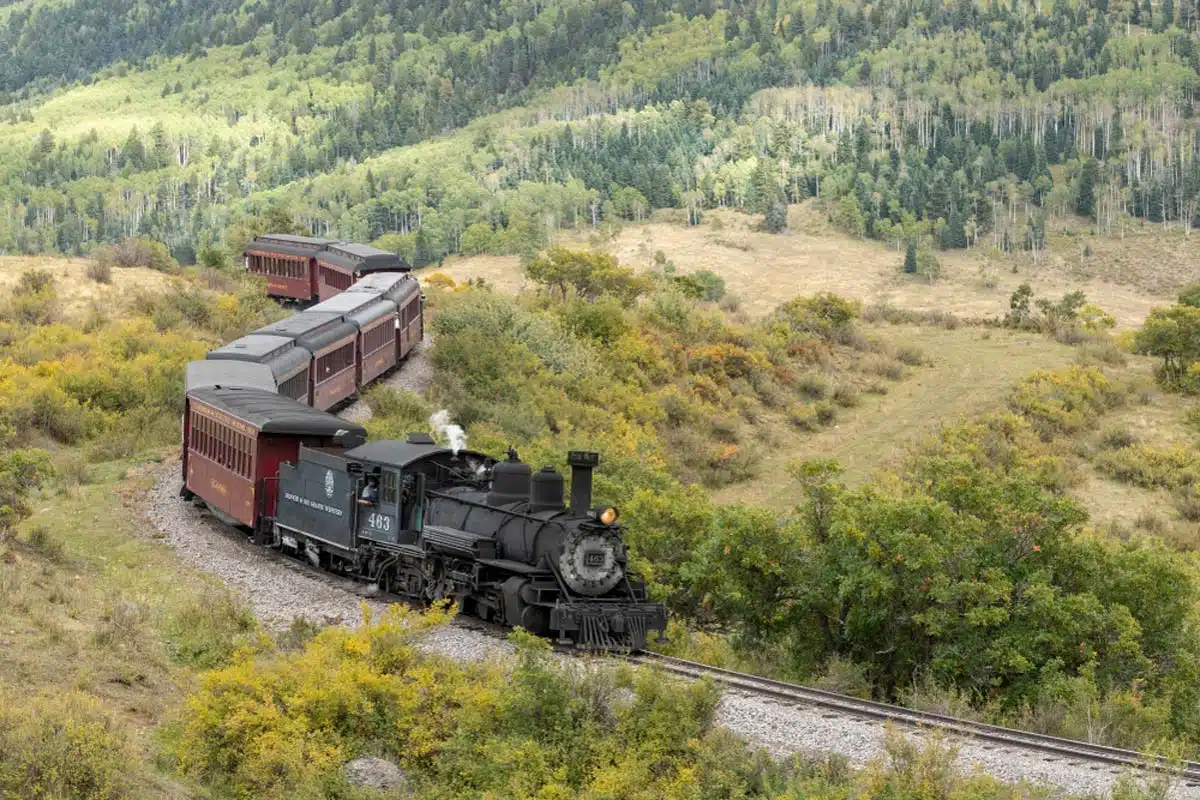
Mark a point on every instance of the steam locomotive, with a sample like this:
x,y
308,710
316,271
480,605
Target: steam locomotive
x,y
429,523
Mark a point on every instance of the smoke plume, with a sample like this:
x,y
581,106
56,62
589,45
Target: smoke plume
x,y
454,434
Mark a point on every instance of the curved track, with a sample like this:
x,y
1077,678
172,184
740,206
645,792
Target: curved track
x,y
1051,746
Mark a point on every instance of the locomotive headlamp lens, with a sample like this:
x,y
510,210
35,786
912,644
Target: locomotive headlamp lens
x,y
607,515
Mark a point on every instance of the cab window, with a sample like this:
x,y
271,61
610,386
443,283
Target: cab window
x,y
389,492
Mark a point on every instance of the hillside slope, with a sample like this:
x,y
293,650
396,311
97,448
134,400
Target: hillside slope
x,y
915,124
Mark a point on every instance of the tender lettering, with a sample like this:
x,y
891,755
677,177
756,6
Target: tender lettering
x,y
304,501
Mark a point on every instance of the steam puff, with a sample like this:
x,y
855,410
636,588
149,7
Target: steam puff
x,y
454,434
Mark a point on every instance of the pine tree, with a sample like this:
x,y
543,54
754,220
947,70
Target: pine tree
x,y
795,26
910,260
1086,202
776,219
953,233
764,188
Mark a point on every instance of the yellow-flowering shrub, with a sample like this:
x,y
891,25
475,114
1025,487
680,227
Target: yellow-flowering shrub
x,y
1064,401
61,746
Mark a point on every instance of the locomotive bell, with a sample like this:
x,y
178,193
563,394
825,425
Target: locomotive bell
x,y
510,481
546,490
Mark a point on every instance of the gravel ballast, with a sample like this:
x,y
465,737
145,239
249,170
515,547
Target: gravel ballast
x,y
414,375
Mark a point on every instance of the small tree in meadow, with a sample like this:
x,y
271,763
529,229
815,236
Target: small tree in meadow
x,y
928,266
776,219
910,260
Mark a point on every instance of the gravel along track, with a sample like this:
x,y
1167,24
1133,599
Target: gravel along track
x,y
786,718
414,375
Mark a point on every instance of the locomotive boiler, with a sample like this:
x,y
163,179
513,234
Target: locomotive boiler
x,y
429,523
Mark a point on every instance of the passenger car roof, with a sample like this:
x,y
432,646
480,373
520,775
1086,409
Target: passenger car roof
x,y
272,413
204,374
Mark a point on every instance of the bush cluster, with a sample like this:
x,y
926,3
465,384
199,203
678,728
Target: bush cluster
x,y
134,251
967,572
282,724
663,380
62,745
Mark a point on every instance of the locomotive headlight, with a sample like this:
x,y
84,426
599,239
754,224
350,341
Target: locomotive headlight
x,y
606,514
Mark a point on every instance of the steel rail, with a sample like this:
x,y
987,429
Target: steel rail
x,y
1067,749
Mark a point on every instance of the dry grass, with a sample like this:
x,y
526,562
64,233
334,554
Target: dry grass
x,y
84,602
764,269
76,291
501,272
1160,423
969,371
1153,259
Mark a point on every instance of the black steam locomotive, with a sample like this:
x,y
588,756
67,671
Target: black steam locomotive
x,y
427,523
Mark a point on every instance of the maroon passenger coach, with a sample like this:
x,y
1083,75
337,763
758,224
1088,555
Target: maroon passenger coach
x,y
287,262
340,264
403,290
333,344
237,431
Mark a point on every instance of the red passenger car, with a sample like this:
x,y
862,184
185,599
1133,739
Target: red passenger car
x,y
287,262
403,290
333,344
340,264
375,318
236,432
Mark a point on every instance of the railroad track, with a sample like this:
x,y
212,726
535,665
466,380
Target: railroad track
x,y
1068,750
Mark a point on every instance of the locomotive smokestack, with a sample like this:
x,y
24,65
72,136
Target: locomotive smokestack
x,y
582,463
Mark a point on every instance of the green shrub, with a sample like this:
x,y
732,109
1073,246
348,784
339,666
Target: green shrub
x,y
826,413
136,252
62,745
1152,468
1187,503
813,385
803,416
1114,438
44,543
206,633
34,281
99,271
21,472
1063,402
883,366
844,677
846,396
911,356
1101,351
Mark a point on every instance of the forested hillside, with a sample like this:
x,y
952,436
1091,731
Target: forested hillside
x,y
943,124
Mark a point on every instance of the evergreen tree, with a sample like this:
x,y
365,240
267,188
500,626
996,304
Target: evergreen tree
x,y
764,188
910,260
795,26
776,218
953,233
1086,202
